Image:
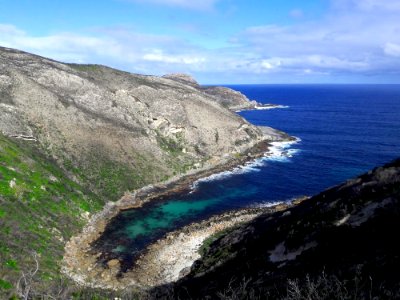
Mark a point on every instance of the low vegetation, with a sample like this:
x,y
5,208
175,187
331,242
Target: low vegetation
x,y
40,208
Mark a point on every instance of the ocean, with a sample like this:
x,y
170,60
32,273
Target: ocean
x,y
342,131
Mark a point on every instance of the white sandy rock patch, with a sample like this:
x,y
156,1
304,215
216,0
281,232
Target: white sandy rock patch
x,y
171,258
181,255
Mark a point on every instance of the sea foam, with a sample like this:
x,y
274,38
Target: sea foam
x,y
278,151
270,107
263,108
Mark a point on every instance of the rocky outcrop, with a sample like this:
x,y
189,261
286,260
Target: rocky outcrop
x,y
340,243
112,130
227,97
183,78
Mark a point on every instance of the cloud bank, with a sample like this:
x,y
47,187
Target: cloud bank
x,y
357,40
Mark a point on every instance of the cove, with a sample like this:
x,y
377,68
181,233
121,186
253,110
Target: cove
x,y
345,130
132,230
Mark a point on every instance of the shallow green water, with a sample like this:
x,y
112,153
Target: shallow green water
x,y
132,230
165,215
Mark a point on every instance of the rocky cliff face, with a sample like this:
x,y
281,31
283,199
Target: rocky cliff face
x,y
227,97
340,244
111,129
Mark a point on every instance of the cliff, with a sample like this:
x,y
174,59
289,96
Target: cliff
x,y
339,244
73,137
227,97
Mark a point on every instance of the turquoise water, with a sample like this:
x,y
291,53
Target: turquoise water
x,y
345,130
164,215
132,230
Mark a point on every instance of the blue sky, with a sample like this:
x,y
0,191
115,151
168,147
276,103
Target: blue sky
x,y
216,41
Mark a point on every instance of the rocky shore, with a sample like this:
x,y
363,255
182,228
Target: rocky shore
x,y
163,262
338,244
170,258
81,264
260,106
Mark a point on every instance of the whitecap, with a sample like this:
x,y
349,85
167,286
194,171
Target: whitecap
x,y
278,151
253,166
270,107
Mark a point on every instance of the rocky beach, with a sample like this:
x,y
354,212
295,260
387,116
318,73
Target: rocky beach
x,y
81,262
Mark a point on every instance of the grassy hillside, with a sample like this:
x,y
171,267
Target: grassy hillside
x,y
40,208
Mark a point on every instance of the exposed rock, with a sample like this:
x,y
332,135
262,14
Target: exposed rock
x,y
91,117
347,233
227,97
184,78
113,263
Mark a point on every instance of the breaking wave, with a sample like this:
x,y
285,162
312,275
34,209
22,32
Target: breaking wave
x,y
270,107
278,151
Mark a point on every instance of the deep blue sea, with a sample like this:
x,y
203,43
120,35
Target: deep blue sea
x,y
344,130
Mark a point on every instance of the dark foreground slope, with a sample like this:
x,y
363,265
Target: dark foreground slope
x,y
340,244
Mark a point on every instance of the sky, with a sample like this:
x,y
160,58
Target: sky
x,y
216,41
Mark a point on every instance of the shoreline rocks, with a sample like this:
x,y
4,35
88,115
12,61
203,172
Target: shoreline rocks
x,y
80,264
171,257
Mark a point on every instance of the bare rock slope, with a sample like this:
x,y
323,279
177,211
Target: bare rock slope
x,y
111,129
227,97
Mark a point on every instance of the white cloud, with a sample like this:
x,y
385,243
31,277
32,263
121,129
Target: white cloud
x,y
392,49
119,47
159,56
367,5
389,5
272,63
344,41
63,46
358,41
307,64
187,4
7,29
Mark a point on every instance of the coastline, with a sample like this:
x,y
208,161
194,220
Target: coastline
x,y
80,264
171,257
260,106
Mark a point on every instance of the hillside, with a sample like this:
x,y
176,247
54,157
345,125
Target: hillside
x,y
227,97
339,244
40,208
114,130
73,137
